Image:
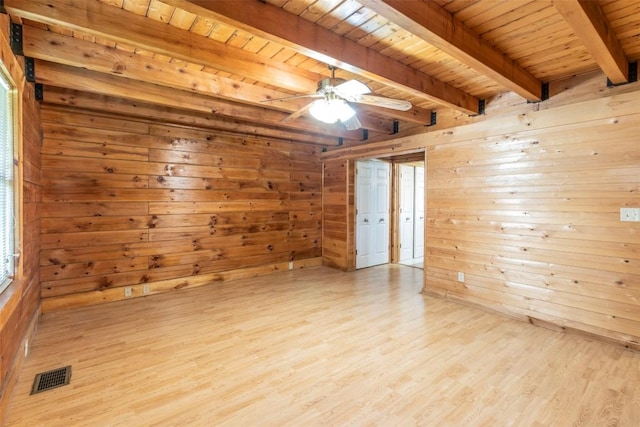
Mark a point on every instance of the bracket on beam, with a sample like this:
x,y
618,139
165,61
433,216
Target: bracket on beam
x,y
365,134
340,141
544,93
633,75
30,69
15,39
481,106
39,91
2,9
396,127
433,119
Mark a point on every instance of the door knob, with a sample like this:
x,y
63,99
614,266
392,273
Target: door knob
x,y
366,220
381,220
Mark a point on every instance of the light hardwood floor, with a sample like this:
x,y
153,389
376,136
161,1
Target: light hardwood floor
x,y
320,347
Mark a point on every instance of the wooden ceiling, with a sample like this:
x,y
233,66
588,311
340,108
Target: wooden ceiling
x,y
220,64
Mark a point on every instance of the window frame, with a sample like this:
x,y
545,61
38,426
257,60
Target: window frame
x,y
13,125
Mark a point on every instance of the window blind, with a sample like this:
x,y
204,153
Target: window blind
x,y
7,220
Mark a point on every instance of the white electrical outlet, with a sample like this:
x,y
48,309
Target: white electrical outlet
x,y
290,265
460,276
127,292
630,214
146,289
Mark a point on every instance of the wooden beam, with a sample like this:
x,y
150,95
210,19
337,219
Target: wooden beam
x,y
58,48
65,76
438,27
323,45
119,25
134,108
589,23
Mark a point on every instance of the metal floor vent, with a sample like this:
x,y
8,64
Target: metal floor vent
x,y
51,379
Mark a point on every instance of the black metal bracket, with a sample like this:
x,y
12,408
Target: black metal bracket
x,y
365,134
481,106
544,93
396,127
340,141
39,91
2,9
633,75
15,38
433,119
30,69
324,149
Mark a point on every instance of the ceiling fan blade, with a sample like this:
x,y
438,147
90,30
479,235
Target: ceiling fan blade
x,y
380,101
301,112
352,124
351,90
311,95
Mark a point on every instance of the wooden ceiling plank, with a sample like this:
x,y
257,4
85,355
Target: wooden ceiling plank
x,y
324,45
68,77
126,27
590,24
438,27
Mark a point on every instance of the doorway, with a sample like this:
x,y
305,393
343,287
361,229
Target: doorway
x,y
372,213
411,214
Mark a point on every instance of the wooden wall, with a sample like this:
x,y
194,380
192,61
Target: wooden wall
x,y
337,191
158,207
20,302
527,205
529,210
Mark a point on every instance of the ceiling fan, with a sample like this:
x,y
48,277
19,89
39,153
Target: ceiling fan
x,y
335,94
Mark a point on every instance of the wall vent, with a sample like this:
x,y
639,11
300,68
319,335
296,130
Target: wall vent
x,y
51,379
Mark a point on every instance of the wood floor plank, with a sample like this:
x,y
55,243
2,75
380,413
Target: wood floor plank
x,y
319,347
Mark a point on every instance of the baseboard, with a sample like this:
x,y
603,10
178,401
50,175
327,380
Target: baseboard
x,y
537,320
146,289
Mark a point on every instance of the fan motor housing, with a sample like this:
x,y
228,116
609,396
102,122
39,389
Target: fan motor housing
x,y
326,86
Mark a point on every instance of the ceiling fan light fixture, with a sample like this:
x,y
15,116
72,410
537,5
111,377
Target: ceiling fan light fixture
x,y
330,110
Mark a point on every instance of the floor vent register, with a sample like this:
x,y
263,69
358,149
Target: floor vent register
x,y
51,379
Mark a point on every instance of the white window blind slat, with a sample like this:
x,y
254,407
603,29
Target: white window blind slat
x,y
7,220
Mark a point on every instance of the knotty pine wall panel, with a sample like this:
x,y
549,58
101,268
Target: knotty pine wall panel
x,y
531,215
127,203
20,302
335,209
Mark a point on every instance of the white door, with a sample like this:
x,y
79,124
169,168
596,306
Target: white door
x,y
419,214
372,218
406,218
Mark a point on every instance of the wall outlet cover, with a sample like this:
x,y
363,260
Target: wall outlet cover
x,y
630,214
